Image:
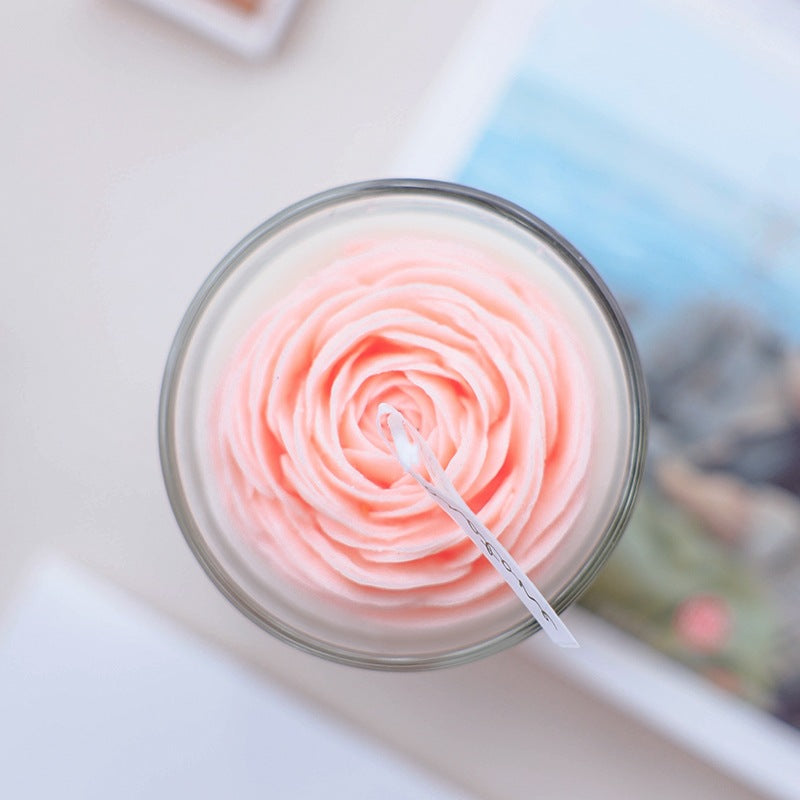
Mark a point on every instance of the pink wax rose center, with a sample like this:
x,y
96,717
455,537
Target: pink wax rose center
x,y
475,356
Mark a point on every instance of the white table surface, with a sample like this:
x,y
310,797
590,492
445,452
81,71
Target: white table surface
x,y
134,155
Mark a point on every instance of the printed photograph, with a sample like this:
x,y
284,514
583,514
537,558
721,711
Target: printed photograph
x,y
703,252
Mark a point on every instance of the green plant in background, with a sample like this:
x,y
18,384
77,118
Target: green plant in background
x,y
672,585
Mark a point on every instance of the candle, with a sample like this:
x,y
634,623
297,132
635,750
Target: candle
x,y
492,338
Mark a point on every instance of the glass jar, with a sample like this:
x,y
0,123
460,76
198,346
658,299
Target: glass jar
x,y
266,266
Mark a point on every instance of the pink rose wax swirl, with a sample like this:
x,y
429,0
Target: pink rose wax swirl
x,y
489,333
475,357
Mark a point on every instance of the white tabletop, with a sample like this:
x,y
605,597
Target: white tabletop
x,y
134,156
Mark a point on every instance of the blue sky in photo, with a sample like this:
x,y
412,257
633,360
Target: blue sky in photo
x,y
655,151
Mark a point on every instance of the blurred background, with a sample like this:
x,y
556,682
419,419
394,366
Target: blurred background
x,y
142,139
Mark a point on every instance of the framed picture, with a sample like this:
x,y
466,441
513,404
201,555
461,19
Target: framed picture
x,y
663,139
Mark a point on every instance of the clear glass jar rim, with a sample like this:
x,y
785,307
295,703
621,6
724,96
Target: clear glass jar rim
x,y
496,205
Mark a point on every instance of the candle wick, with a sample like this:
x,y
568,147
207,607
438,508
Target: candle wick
x,y
440,488
406,450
